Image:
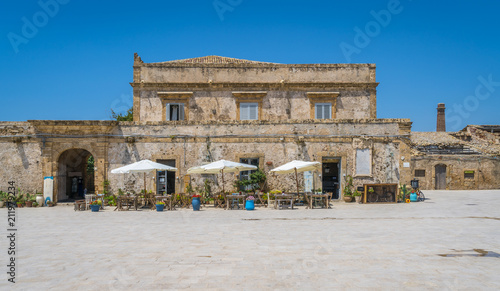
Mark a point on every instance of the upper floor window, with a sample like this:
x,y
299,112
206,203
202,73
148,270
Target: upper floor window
x,y
249,111
175,111
323,111
323,104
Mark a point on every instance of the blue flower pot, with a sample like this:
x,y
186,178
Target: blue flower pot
x,y
413,197
95,208
159,207
196,203
250,205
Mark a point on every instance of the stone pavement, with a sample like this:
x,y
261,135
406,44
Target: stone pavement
x,y
418,246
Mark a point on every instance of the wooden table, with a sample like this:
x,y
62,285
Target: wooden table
x,y
283,198
237,197
126,200
311,197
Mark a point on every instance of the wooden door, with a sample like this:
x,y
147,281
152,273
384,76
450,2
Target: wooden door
x,y
440,177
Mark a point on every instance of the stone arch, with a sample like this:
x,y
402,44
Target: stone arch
x,y
71,173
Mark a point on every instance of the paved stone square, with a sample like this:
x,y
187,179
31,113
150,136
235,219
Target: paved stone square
x,y
449,242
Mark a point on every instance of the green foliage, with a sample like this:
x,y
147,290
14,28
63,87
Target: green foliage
x,y
207,189
120,192
257,182
3,196
105,186
189,188
90,165
111,200
404,193
348,186
123,117
356,193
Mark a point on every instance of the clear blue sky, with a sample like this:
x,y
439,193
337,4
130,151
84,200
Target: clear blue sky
x,y
77,63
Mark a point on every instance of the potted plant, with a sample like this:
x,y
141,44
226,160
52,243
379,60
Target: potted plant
x,y
94,205
250,203
35,204
357,196
19,199
39,198
30,199
160,205
3,198
403,193
348,189
50,203
196,202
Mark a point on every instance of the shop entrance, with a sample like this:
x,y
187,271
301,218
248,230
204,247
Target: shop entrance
x,y
75,174
330,176
165,180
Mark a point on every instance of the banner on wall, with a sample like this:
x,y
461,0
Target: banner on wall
x,y
48,188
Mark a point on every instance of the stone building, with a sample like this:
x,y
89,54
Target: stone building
x,y
190,112
194,111
468,159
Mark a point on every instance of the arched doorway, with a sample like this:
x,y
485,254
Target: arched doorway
x,y
75,174
440,177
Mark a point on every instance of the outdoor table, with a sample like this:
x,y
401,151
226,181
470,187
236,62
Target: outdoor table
x,y
283,198
321,196
236,197
167,199
126,200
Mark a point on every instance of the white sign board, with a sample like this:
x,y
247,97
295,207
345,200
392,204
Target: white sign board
x,y
308,181
48,188
363,162
406,165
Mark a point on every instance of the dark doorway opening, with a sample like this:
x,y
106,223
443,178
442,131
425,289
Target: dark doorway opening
x,y
330,176
165,180
245,175
440,177
75,174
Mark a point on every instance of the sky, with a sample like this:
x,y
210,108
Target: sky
x,y
72,60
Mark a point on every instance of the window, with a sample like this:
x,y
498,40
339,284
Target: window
x,y
419,173
245,175
249,111
323,111
175,111
468,174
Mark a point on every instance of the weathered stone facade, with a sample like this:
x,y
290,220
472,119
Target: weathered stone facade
x,y
209,95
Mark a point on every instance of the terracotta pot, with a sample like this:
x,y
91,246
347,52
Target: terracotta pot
x,y
29,203
347,198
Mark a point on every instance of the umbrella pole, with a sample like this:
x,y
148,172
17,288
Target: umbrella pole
x,y
297,180
222,171
145,183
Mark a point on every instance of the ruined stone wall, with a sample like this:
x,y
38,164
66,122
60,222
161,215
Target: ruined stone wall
x,y
21,157
486,176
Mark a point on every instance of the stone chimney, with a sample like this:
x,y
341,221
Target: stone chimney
x,y
441,123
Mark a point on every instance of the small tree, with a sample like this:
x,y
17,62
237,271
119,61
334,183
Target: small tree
x,y
123,117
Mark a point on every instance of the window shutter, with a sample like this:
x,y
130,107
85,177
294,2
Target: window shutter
x,y
327,111
168,112
181,111
253,111
244,111
319,111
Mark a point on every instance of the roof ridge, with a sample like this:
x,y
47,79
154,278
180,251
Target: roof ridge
x,y
214,59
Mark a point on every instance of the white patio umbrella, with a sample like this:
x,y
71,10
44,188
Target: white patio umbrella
x,y
144,166
221,166
297,166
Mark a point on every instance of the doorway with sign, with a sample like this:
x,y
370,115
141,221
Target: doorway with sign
x,y
330,176
165,180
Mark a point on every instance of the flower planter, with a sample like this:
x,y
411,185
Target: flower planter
x,y
19,205
94,208
39,199
2,203
159,207
29,203
358,198
347,198
413,197
196,203
250,205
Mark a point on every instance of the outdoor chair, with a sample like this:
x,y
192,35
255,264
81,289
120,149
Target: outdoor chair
x,y
259,198
80,205
88,200
218,200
